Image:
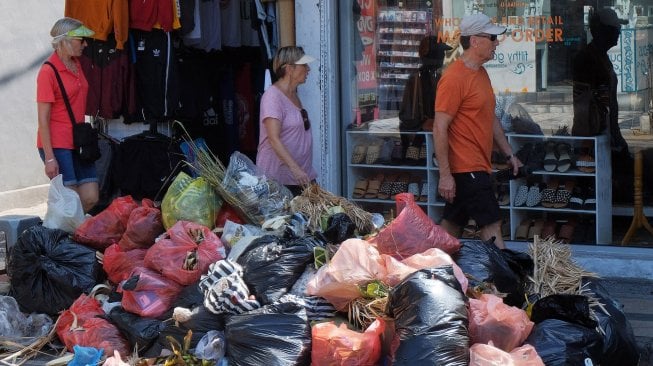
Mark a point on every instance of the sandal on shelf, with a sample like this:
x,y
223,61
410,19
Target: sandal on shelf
x,y
548,229
522,229
566,232
373,185
534,196
372,155
549,193
550,162
535,229
576,201
359,153
586,164
424,192
412,155
413,188
401,185
563,195
360,188
521,196
385,190
564,157
590,200
422,155
397,156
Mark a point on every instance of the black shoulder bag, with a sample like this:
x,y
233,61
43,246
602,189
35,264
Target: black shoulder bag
x,y
85,137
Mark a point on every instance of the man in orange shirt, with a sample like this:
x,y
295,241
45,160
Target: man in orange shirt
x,y
465,130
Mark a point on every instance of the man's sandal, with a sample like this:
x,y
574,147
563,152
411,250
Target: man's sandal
x,y
360,188
373,185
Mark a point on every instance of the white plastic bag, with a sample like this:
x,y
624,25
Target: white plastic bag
x,y
65,210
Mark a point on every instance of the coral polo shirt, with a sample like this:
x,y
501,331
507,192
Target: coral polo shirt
x,y
48,91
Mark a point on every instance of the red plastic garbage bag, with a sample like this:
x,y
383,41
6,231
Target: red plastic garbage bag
x,y
147,293
186,252
143,226
228,213
82,325
490,320
412,232
108,226
119,263
338,346
488,355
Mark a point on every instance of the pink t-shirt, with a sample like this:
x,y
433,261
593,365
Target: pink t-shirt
x,y
299,142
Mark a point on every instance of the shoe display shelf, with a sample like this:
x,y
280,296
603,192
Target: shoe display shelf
x,y
378,168
576,172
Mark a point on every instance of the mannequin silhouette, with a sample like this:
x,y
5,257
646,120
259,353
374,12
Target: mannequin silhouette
x,y
593,72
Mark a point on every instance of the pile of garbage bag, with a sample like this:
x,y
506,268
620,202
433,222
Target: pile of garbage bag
x,y
178,286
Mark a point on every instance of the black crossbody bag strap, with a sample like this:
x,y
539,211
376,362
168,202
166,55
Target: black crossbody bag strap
x,y
63,93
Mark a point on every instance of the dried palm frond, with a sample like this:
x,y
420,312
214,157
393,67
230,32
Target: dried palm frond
x,y
362,312
554,270
25,353
315,201
210,167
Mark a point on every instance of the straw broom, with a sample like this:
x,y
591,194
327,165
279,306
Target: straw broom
x,y
314,201
211,168
554,270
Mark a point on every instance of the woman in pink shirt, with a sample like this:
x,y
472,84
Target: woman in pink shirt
x,y
285,149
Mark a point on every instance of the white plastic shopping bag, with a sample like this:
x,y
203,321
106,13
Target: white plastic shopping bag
x,y
65,209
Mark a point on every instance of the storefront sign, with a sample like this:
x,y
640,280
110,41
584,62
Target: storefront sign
x,y
366,67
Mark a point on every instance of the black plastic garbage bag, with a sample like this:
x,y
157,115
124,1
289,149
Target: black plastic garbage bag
x,y
274,335
560,343
340,227
485,263
48,271
190,297
200,322
272,265
619,343
140,332
566,307
431,321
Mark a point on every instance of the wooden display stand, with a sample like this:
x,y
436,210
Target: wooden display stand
x,y
639,219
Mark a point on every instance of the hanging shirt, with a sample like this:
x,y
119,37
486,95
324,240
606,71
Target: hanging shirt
x,y
231,24
103,17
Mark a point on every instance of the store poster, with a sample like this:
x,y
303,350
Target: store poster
x,y
512,70
366,82
630,59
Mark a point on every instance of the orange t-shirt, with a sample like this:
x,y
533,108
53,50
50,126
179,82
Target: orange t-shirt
x,y
467,95
48,91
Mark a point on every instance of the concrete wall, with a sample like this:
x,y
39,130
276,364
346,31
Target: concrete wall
x,y
24,45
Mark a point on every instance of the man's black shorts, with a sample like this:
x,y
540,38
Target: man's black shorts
x,y
474,199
